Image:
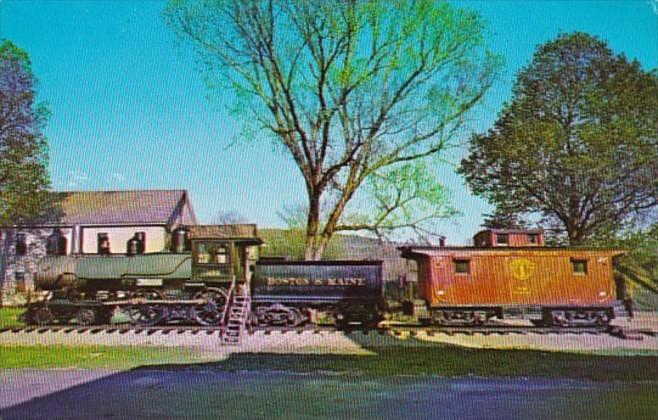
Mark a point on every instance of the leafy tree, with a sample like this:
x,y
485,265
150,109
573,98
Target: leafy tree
x,y
577,144
353,91
23,148
500,219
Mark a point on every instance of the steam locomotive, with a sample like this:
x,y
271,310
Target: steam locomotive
x,y
214,276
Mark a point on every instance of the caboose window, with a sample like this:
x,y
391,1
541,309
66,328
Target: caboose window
x,y
502,239
579,266
462,266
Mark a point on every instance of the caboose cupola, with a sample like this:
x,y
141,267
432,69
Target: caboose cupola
x,y
508,238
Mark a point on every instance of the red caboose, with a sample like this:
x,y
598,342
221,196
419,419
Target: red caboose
x,y
566,285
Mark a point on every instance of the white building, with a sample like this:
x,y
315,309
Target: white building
x,y
92,222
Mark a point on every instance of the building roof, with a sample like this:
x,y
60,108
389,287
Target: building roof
x,y
247,232
113,207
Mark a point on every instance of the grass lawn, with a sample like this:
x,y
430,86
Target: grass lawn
x,y
445,360
9,317
451,361
91,357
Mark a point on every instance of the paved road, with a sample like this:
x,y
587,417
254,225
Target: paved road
x,y
146,393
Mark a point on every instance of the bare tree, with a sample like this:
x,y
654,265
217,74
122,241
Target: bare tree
x,y
351,89
230,217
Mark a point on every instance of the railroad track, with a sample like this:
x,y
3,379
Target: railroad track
x,y
397,330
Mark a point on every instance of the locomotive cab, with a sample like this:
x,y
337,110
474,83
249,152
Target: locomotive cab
x,y
222,254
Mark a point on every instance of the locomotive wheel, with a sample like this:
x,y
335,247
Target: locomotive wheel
x,y
143,313
86,316
279,315
366,316
104,316
210,313
41,316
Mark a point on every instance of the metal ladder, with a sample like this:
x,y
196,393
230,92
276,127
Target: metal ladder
x,y
237,316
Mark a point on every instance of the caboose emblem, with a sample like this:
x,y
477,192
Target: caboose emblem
x,y
521,268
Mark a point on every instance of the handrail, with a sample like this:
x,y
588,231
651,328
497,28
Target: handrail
x,y
635,277
229,301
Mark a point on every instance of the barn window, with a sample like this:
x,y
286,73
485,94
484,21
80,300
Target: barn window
x,y
21,244
19,277
103,243
533,238
141,237
579,266
56,243
502,239
463,266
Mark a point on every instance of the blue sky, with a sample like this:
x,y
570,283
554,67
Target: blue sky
x,y
129,108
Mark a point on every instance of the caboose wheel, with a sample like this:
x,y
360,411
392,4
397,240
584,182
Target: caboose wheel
x,y
211,312
602,318
86,316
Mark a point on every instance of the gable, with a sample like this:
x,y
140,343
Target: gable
x,y
140,207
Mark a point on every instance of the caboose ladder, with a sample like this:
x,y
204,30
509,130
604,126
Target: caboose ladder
x,y
237,316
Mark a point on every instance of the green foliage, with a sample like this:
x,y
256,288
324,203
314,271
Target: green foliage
x,y
10,317
639,266
290,243
501,220
577,144
23,147
408,198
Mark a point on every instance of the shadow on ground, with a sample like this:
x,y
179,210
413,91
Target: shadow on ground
x,y
395,379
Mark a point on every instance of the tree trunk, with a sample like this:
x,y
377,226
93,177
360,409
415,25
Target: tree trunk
x,y
312,226
575,236
332,222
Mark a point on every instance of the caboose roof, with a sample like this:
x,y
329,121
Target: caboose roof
x,y
512,231
411,251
